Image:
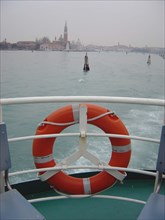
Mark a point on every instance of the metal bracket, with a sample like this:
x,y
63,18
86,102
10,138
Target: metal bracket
x,y
5,162
160,167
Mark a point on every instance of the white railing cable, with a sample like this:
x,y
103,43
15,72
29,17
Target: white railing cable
x,y
74,122
103,99
88,134
86,196
98,167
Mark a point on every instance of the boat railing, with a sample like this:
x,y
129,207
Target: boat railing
x,y
101,99
67,165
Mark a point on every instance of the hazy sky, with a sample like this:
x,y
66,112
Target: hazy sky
x,y
138,23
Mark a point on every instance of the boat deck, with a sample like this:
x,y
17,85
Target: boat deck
x,y
99,208
122,201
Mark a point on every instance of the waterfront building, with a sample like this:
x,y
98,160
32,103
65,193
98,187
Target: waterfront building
x,y
26,45
61,44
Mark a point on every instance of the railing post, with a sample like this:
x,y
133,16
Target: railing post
x,y
5,162
160,167
0,113
2,183
83,127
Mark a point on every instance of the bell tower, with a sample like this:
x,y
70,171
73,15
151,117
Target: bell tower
x,y
65,33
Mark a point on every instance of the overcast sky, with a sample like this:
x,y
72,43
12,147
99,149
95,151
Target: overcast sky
x,y
138,23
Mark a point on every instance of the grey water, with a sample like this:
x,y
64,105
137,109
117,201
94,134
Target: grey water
x,y
50,73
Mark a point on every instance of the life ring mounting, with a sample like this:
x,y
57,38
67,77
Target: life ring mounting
x,y
83,114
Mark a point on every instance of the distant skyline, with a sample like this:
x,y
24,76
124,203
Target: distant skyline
x,y
136,23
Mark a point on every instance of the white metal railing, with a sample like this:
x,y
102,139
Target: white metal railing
x,y
85,196
88,134
99,167
59,99
103,99
108,99
82,99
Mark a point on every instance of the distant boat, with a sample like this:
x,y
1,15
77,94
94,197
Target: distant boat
x,y
149,60
86,64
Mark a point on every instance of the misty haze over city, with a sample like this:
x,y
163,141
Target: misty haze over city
x,y
136,23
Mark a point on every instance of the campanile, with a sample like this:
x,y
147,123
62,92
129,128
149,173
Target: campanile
x,y
65,33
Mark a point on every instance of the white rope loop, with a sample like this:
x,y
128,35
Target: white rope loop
x,y
76,121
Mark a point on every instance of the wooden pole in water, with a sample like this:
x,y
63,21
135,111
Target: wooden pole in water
x,y
149,60
86,63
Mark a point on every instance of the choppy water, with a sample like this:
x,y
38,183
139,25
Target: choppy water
x,y
26,73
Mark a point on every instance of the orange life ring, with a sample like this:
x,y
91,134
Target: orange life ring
x,y
43,149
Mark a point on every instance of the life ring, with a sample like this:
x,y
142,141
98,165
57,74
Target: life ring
x,y
43,149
